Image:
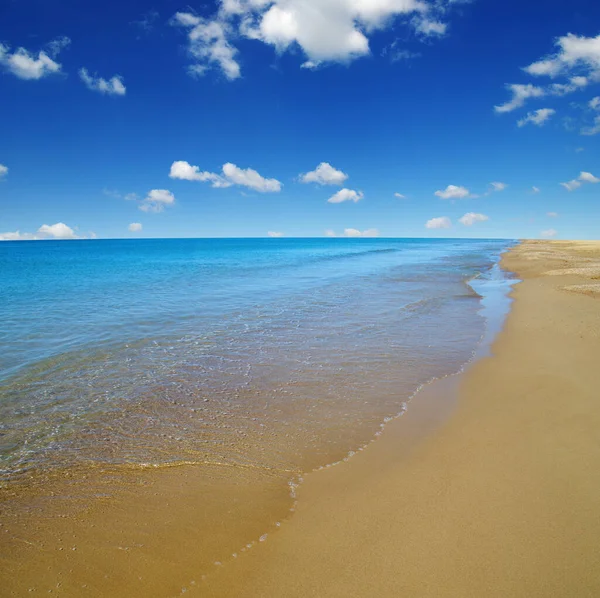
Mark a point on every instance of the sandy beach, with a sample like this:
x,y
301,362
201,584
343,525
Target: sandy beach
x,y
501,500
487,486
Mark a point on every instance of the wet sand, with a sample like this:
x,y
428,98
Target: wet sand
x,y
502,499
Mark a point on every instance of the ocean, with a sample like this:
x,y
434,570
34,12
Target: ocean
x,y
276,354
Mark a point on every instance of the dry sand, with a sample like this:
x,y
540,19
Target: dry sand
x,y
501,500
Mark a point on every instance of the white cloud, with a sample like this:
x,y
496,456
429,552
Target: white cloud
x,y
57,231
594,103
232,175
520,94
330,233
535,190
353,232
324,174
552,215
571,185
325,31
27,65
3,171
399,196
549,233
208,43
575,53
471,218
346,195
156,200
441,222
588,177
112,87
453,192
584,177
594,129
274,234
537,117
135,227
497,186
17,236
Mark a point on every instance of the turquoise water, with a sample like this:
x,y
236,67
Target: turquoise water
x,y
250,351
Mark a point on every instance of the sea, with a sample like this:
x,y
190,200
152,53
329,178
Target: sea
x,y
277,354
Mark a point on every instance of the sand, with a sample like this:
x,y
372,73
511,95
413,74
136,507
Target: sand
x,y
503,499
489,485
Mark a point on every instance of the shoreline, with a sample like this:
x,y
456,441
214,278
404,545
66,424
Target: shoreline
x,y
500,500
89,508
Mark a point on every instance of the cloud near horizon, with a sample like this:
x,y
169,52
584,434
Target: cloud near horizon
x,y
471,218
58,231
354,233
135,227
231,175
441,222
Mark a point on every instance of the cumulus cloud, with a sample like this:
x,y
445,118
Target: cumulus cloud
x,y
324,174
231,175
575,53
549,233
594,103
594,129
441,222
471,218
453,192
46,232
157,200
112,87
57,231
537,117
346,195
3,171
274,234
584,177
325,31
354,232
399,196
135,227
27,65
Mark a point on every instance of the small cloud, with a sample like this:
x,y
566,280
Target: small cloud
x,y
147,21
537,117
552,214
17,236
3,171
324,174
156,200
535,189
131,197
57,231
353,232
578,150
498,186
112,87
29,66
471,218
520,94
231,175
453,192
399,196
311,65
584,177
548,234
588,177
441,222
135,227
330,233
346,195
428,27
274,235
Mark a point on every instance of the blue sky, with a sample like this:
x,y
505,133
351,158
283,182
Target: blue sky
x,y
211,119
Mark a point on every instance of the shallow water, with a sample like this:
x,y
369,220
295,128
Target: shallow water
x,y
271,354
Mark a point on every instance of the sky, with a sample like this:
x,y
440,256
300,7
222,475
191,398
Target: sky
x,y
300,118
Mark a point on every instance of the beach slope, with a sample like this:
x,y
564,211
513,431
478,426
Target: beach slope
x,y
501,499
